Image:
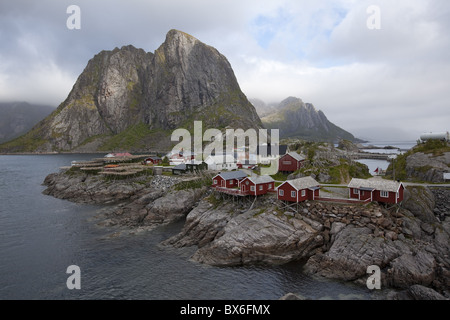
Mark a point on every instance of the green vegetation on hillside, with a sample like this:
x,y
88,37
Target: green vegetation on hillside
x,y
29,142
131,138
328,172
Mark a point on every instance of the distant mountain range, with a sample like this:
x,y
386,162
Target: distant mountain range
x,y
17,118
297,119
130,100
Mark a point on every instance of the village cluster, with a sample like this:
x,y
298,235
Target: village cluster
x,y
236,178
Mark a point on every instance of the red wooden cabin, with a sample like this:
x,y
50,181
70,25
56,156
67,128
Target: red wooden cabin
x,y
257,185
298,190
228,179
290,162
385,191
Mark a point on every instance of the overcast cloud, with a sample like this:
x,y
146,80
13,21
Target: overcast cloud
x,y
391,83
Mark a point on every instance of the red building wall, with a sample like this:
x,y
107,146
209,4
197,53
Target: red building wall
x,y
247,188
311,194
353,195
288,164
232,183
376,196
287,189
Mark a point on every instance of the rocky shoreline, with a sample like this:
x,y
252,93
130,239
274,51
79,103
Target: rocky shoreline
x,y
410,244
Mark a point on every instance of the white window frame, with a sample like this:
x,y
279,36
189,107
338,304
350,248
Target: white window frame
x,y
293,194
384,194
355,191
261,188
215,181
252,188
287,163
303,193
281,192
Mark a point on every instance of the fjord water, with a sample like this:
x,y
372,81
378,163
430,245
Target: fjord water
x,y
41,236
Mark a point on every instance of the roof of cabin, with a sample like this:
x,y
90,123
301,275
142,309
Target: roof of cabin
x,y
375,184
261,179
302,183
233,175
296,156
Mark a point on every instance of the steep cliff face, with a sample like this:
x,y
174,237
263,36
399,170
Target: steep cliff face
x,y
297,119
130,99
188,80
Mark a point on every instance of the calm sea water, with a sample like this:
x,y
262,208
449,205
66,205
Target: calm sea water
x,y
41,236
382,164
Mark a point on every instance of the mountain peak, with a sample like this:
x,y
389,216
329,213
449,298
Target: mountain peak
x,y
297,119
130,99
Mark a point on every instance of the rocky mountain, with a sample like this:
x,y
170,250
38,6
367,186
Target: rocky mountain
x,y
16,118
297,119
132,100
263,109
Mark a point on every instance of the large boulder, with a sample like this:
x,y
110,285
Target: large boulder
x,y
353,250
409,269
226,238
420,202
427,167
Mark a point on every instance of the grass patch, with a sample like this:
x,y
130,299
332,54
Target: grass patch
x,y
132,138
215,201
193,184
279,176
436,147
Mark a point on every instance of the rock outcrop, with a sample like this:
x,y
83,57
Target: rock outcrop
x,y
138,202
416,253
426,167
131,99
226,236
427,161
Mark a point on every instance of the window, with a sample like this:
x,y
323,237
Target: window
x,y
215,181
355,191
270,186
303,193
293,194
260,187
384,194
281,193
252,188
287,163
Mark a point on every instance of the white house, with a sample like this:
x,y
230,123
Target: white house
x,y
221,162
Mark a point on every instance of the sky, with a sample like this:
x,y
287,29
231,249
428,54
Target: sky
x,y
379,69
